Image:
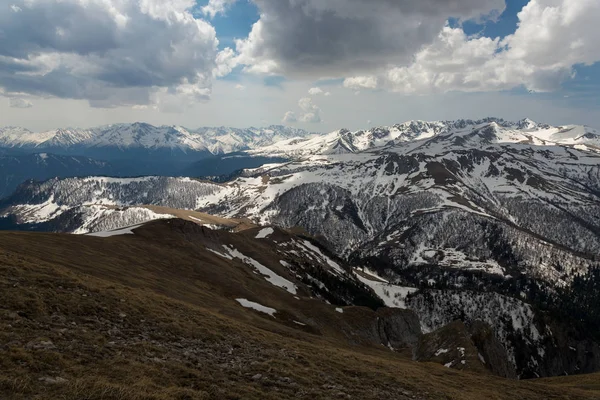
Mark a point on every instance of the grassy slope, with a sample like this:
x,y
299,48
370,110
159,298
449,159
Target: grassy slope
x,y
133,317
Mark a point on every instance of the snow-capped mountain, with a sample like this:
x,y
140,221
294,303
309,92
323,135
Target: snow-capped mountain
x,y
499,131
148,137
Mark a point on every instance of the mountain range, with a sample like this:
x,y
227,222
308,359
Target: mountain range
x,y
137,149
487,221
114,140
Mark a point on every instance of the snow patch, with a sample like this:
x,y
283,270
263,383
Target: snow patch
x,y
117,232
256,306
268,274
392,295
264,233
441,351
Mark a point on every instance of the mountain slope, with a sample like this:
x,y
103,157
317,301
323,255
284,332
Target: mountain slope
x,y
15,169
156,313
95,204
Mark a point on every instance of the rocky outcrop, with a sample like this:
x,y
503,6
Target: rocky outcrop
x,y
451,346
492,353
390,327
398,328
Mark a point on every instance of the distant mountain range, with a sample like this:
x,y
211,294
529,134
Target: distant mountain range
x,y
112,141
132,150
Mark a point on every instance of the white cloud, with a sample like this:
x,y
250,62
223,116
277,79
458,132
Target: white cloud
x,y
552,37
226,61
361,82
335,38
15,8
315,91
215,7
109,52
240,87
290,117
311,113
17,102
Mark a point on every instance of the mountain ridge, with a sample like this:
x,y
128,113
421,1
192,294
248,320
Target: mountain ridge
x,y
217,140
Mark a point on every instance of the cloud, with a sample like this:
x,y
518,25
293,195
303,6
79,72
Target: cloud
x,y
362,82
215,7
240,87
552,37
226,61
17,102
109,52
311,113
290,117
317,91
338,38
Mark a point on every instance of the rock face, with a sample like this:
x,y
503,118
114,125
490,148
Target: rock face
x,y
398,328
472,347
451,346
493,354
392,328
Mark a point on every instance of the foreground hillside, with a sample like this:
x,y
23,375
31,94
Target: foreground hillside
x,y
160,312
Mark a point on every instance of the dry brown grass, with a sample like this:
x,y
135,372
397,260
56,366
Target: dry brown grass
x,y
134,318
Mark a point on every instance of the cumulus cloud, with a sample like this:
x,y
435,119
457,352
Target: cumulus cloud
x,y
215,7
226,61
311,112
109,52
552,37
317,91
336,38
17,102
362,82
290,117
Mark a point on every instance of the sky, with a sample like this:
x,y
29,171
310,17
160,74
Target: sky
x,y
314,64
